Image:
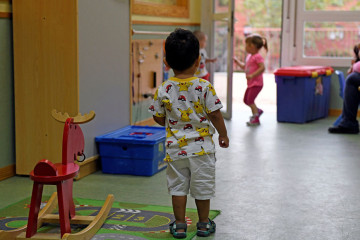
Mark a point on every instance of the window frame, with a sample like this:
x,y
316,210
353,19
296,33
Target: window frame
x,y
294,18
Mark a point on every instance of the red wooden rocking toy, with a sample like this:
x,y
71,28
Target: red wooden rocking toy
x,y
61,175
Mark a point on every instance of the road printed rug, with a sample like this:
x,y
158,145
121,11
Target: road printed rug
x,y
126,221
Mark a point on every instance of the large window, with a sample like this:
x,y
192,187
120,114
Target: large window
x,y
330,39
320,32
332,5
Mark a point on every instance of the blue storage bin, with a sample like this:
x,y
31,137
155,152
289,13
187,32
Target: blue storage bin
x,y
134,150
297,101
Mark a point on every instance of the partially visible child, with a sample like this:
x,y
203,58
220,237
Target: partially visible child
x,y
189,109
356,58
202,71
356,66
348,123
254,68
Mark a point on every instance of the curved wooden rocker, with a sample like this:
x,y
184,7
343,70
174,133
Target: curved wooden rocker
x,y
61,175
49,207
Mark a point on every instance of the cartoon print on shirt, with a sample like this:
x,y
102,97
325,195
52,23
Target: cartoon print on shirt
x,y
188,128
197,105
156,94
182,98
198,89
159,114
168,88
169,132
203,119
207,110
182,141
199,140
203,131
182,153
212,90
167,104
185,114
168,143
173,122
152,108
167,158
202,152
184,86
202,80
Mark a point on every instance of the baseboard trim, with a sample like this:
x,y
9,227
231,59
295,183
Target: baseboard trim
x,y
5,15
337,112
7,172
87,167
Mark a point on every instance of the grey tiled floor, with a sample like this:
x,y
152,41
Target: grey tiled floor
x,y
278,181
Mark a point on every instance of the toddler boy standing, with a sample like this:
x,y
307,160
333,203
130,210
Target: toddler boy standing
x,y
189,109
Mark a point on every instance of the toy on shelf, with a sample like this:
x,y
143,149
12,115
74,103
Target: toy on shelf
x,y
61,175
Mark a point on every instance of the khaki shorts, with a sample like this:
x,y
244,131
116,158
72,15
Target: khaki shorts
x,y
196,174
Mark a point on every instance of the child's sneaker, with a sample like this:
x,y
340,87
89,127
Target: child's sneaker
x,y
175,226
260,111
254,121
209,226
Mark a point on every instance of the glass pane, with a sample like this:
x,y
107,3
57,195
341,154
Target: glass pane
x,y
333,5
330,39
220,70
221,6
263,18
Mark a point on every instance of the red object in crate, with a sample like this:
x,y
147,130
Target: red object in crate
x,y
304,71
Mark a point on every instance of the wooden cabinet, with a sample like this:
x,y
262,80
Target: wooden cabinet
x,y
70,58
46,76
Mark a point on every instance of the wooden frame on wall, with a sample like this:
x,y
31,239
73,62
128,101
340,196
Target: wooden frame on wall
x,y
180,9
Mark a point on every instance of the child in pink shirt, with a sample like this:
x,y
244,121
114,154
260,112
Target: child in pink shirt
x,y
254,68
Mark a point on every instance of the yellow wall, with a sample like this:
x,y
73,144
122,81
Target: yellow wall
x,y
195,15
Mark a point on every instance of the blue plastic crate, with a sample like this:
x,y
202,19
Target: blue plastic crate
x,y
134,150
297,101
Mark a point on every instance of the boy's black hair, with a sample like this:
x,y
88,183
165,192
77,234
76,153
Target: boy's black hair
x,y
181,49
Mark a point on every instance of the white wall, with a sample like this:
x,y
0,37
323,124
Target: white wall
x,y
104,70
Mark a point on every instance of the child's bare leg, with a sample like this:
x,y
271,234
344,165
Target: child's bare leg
x,y
203,208
179,208
254,109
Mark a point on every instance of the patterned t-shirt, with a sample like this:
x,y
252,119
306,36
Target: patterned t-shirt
x,y
185,103
202,71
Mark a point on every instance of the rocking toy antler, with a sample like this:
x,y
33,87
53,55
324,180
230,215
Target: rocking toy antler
x,y
61,117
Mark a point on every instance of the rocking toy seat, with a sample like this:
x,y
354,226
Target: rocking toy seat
x,y
47,172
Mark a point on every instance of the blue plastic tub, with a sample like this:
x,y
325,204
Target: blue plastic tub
x,y
297,100
133,150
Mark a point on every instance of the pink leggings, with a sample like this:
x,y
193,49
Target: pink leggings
x,y
250,94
